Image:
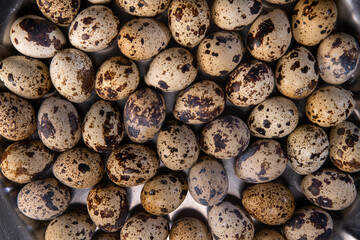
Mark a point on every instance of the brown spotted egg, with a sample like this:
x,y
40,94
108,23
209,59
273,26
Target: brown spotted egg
x,y
235,14
313,20
142,8
117,78
132,164
72,74
201,102
94,29
163,194
267,234
250,84
329,106
189,20
62,13
329,188
269,36
280,1
220,52
190,228
43,199
270,203
263,161
338,57
99,235
142,38
230,221
144,114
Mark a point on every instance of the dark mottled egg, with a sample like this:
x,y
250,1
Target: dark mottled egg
x,y
62,13
267,234
99,235
188,229
142,8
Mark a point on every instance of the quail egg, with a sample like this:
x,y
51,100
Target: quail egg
x,y
267,234
99,1
188,229
142,8
62,13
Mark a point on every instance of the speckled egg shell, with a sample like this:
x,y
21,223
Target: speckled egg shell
x,y
269,36
229,221
296,73
144,114
313,20
201,102
263,161
27,77
43,199
99,1
307,148
329,106
220,52
36,37
190,228
250,84
338,57
163,194
267,234
79,168
189,20
62,13
75,226
72,74
280,1
17,117
143,38
99,235
116,78
208,181
225,137
330,189
59,125
94,29
108,206
142,8
309,223
345,146
22,162
132,164
177,145
172,70
236,14
145,226
276,117
270,203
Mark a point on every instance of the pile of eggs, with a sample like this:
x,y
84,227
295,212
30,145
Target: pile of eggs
x,y
107,149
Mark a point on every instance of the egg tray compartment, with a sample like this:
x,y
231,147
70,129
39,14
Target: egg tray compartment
x,y
15,226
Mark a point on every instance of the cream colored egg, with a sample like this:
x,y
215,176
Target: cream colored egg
x,y
142,8
267,234
62,13
189,228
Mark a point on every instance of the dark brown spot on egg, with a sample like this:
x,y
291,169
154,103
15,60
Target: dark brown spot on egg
x,y
295,66
46,128
83,168
324,202
265,28
319,220
73,122
314,188
296,221
255,9
88,20
178,14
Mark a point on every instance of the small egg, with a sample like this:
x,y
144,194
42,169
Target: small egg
x,y
329,106
22,162
329,188
307,149
188,229
220,52
177,145
163,194
269,36
117,78
172,70
270,203
142,38
17,117
280,1
201,102
26,77
144,114
263,161
132,164
338,57
250,84
43,199
59,125
310,223
236,14
145,226
225,137
267,234
229,221
189,20
73,225
62,13
79,168
99,235
108,206
208,181
313,20
142,8
94,29
99,1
